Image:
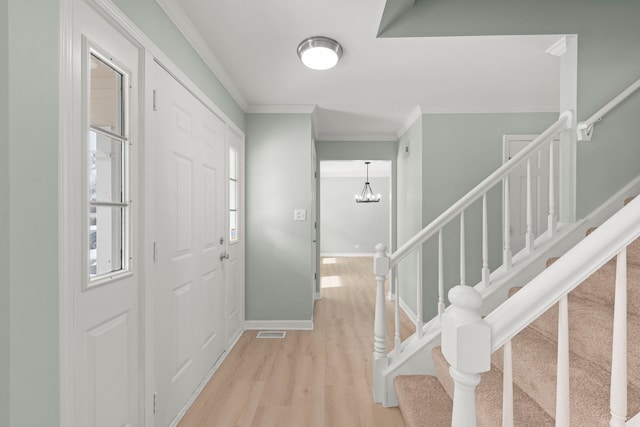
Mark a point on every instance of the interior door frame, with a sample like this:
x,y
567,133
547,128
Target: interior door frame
x,y
507,139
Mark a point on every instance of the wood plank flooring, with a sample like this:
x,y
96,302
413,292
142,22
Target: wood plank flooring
x,y
317,378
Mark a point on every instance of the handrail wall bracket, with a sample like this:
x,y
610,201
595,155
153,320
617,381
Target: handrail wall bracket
x,y
585,128
585,131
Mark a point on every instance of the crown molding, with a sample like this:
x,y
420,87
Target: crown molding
x,y
359,138
414,115
185,26
559,48
492,110
280,109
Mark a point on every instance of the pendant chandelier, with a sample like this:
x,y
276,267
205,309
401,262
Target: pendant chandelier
x,y
367,195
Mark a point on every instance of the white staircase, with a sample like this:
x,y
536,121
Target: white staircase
x,y
467,339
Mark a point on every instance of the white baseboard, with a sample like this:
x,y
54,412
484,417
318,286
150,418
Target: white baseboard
x,y
345,254
278,325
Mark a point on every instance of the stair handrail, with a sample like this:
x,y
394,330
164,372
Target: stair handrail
x,y
468,340
563,123
564,275
585,128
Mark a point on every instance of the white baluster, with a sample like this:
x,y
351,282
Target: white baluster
x,y
485,242
506,253
396,312
552,222
529,233
463,267
391,293
562,387
419,322
381,265
619,348
440,276
466,344
507,386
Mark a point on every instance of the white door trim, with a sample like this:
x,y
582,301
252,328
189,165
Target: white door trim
x,y
66,229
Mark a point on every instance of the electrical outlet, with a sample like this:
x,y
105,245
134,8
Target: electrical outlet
x,y
356,246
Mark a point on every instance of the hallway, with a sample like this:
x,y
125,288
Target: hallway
x,y
316,378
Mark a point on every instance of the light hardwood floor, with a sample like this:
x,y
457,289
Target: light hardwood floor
x,y
316,378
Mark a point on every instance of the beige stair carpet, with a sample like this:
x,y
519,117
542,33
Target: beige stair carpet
x,y
426,400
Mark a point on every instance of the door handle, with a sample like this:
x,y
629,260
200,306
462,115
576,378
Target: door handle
x,y
224,256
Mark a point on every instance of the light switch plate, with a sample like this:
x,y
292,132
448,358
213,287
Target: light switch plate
x,y
299,214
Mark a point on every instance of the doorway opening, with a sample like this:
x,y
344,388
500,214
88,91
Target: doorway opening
x,y
347,228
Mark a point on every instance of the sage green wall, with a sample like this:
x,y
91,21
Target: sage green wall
x,y
4,215
409,213
608,62
459,151
278,253
346,223
33,212
152,20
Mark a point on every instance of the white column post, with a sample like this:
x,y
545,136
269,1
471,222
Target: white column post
x,y
552,222
419,285
463,262
440,276
563,414
619,349
485,242
529,237
466,344
381,264
507,386
396,311
506,253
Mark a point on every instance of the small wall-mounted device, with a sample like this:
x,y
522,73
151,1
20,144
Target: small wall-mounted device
x,y
299,214
405,148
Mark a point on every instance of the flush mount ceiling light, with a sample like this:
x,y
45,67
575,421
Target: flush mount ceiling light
x,y
319,53
366,195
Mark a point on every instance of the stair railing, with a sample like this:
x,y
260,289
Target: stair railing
x,y
468,340
384,263
585,128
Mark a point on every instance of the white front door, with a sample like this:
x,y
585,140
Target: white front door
x,y
188,144
539,189
234,264
106,311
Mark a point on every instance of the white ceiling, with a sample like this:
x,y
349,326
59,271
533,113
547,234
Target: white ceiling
x,y
251,45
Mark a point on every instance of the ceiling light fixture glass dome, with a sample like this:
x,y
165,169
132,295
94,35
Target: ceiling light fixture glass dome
x,y
319,53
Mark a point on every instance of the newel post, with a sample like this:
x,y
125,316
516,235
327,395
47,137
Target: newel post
x,y
466,344
381,263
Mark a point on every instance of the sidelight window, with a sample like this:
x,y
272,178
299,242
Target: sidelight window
x,y
233,195
107,168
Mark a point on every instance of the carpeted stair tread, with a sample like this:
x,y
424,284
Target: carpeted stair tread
x,y
535,368
422,401
600,287
427,400
590,334
526,412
